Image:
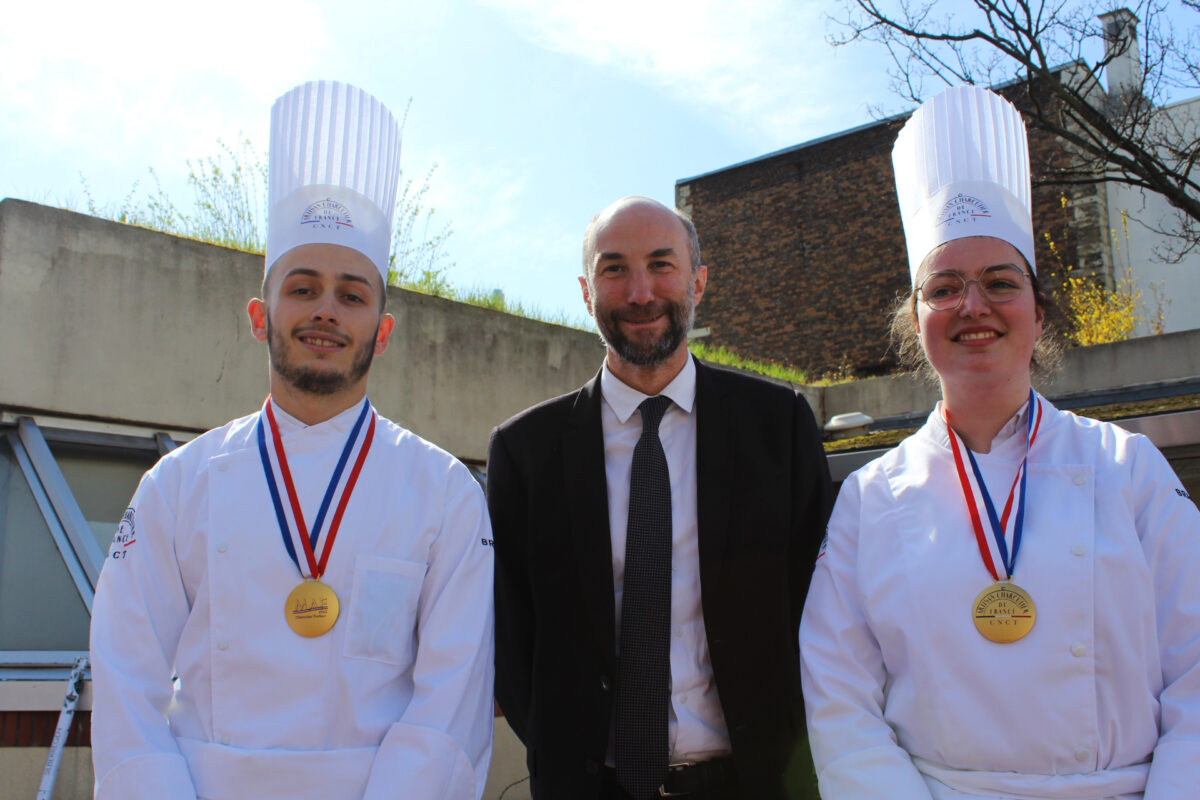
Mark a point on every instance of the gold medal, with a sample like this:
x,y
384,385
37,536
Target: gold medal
x,y
312,608
1004,612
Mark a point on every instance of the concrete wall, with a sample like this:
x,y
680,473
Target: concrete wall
x,y
123,324
1137,362
127,325
21,771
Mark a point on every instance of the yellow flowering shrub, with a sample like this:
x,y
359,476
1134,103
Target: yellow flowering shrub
x,y
1098,314
1095,314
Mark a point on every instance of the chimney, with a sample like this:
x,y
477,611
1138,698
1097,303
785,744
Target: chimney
x,y
1124,70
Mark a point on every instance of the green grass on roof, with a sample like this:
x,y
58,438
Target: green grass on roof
x,y
727,358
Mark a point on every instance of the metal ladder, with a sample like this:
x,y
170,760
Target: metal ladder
x,y
50,773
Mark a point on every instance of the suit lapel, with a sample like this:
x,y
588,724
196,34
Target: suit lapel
x,y
714,455
587,507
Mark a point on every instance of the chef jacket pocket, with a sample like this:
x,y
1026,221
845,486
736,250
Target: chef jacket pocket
x,y
382,620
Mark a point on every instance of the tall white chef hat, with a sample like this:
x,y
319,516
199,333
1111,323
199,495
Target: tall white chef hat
x,y
962,169
334,166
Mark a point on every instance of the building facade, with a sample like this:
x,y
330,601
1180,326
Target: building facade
x,y
806,251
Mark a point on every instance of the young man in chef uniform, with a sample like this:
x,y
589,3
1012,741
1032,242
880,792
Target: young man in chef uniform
x,y
302,606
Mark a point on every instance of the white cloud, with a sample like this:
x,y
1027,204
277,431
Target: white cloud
x,y
761,65
146,80
253,41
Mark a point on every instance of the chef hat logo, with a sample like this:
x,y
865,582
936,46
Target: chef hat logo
x,y
327,213
962,169
334,171
963,209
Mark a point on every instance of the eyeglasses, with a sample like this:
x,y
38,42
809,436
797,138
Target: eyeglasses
x,y
944,291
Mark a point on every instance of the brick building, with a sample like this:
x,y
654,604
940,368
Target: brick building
x,y
806,251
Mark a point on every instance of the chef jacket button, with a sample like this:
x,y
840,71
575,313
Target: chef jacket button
x,y
678,633
222,645
1078,650
222,467
1078,549
1081,755
221,548
224,740
683,699
1080,479
591,767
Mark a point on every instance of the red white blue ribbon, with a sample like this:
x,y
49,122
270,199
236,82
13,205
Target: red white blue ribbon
x,y
294,528
977,488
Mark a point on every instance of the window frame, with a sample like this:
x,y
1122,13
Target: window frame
x,y
64,519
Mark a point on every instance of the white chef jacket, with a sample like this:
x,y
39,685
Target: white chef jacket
x,y
1101,699
394,701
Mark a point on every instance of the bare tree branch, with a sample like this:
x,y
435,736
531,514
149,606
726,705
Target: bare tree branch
x,y
1052,53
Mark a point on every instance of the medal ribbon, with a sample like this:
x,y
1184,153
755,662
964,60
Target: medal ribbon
x,y
309,540
998,524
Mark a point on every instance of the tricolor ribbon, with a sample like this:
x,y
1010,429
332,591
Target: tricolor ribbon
x,y
999,524
308,540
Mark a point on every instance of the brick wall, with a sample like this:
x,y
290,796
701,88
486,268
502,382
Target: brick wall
x,y
806,253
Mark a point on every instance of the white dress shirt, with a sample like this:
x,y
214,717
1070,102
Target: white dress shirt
x,y
696,726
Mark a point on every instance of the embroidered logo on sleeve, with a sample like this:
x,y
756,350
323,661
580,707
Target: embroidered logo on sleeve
x,y
126,536
487,542
824,545
1183,493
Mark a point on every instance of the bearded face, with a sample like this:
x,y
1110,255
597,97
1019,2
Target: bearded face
x,y
645,348
316,377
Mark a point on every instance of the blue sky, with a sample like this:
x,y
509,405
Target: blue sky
x,y
538,114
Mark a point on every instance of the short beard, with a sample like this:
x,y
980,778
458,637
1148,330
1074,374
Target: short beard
x,y
654,351
316,381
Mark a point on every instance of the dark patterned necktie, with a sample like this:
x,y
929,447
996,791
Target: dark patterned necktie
x,y
644,687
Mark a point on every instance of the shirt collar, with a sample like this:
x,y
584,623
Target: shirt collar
x,y
623,399
341,423
1014,428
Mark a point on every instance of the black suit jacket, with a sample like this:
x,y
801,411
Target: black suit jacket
x,y
763,501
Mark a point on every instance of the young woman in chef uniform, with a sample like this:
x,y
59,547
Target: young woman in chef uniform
x,y
1007,605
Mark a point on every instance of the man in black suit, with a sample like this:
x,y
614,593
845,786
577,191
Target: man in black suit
x,y
678,534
